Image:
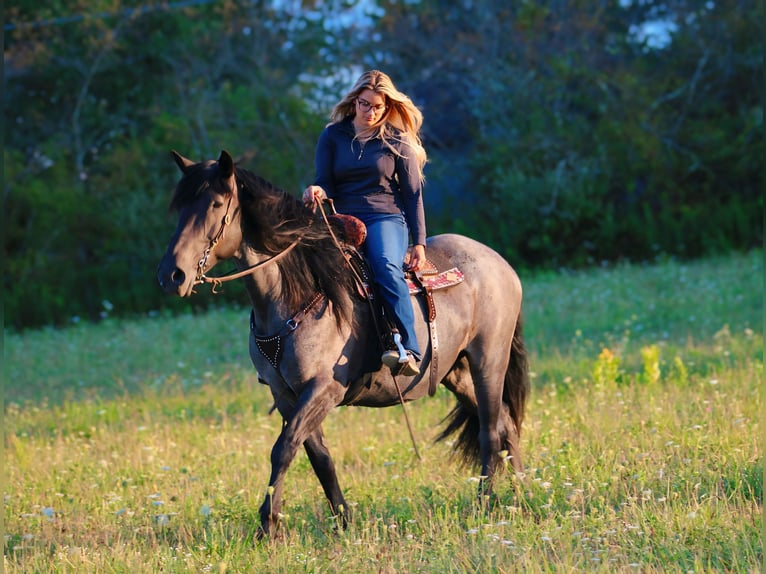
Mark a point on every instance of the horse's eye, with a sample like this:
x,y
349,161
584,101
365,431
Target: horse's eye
x,y
217,204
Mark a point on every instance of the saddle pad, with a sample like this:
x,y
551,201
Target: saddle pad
x,y
439,281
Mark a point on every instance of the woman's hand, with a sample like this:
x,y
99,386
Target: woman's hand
x,y
312,194
417,258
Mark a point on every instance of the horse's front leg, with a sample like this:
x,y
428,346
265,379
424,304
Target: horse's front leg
x,y
324,468
313,405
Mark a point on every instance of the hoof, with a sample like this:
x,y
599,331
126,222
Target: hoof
x,y
264,535
268,529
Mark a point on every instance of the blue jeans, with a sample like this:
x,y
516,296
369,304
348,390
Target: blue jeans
x,y
385,247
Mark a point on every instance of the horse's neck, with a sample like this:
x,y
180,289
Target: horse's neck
x,y
264,287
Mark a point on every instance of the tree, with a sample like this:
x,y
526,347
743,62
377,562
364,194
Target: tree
x,y
583,137
87,185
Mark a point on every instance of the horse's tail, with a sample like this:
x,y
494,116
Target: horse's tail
x,y
465,421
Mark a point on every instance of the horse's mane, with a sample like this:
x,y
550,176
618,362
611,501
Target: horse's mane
x,y
271,220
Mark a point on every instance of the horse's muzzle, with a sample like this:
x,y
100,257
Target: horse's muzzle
x,y
172,279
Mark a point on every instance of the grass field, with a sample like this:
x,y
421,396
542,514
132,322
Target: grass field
x,y
143,445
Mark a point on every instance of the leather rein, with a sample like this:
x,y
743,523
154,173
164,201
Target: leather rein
x,y
216,281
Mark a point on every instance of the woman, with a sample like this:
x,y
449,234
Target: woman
x,y
370,161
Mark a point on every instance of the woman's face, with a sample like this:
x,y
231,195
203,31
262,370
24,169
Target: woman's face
x,y
370,107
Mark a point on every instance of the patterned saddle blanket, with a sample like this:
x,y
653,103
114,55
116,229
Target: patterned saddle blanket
x,y
432,279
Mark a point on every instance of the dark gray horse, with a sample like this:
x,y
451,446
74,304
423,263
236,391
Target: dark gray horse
x,y
312,339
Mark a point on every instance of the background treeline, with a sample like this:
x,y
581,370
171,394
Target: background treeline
x,y
562,132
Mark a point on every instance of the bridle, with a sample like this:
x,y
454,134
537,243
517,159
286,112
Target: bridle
x,y
216,281
200,277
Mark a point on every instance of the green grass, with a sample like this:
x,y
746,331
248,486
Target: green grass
x,y
143,446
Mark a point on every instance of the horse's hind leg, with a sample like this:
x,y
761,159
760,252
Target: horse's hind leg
x,y
481,405
478,386
324,468
511,440
488,387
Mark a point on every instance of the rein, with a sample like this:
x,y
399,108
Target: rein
x,y
216,281
359,280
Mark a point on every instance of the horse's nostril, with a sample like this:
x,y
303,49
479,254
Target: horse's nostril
x,y
177,276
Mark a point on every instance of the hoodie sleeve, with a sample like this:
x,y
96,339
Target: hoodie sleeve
x,y
323,163
411,190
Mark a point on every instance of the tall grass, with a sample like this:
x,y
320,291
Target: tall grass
x,y
143,446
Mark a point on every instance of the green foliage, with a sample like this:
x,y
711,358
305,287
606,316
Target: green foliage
x,y
584,142
87,187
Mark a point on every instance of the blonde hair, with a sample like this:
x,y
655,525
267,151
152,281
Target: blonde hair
x,y
400,122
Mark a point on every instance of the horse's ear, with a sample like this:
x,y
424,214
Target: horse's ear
x,y
183,163
225,164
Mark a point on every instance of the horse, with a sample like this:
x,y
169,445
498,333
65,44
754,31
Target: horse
x,y
312,339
